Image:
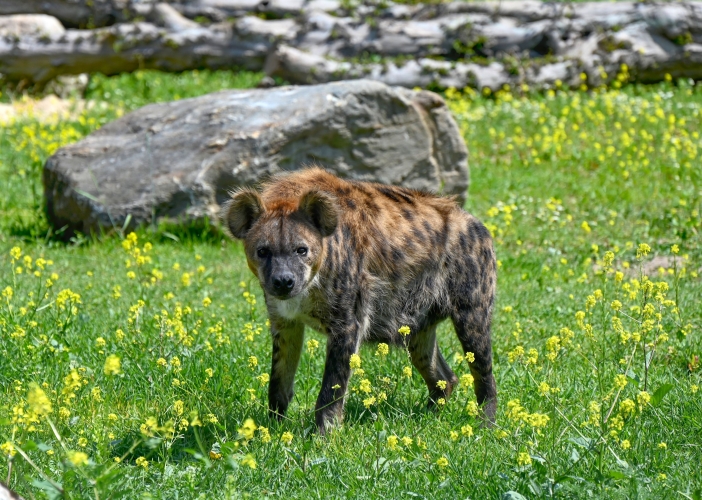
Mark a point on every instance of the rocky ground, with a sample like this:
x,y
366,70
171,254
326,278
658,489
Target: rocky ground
x,y
453,44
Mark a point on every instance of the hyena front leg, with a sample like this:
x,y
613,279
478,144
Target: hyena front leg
x,y
287,346
427,358
337,371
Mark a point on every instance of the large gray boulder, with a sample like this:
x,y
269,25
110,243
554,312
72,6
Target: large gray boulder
x,y
180,159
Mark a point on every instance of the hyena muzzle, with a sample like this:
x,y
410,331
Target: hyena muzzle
x,y
356,261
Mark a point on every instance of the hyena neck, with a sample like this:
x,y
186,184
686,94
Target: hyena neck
x,y
290,309
298,308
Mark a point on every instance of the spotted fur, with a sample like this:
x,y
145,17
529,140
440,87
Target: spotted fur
x,y
356,261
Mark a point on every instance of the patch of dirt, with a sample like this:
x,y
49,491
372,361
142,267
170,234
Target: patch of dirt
x,y
665,261
49,109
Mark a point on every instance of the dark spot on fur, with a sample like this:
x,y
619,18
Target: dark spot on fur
x,y
463,240
371,206
405,196
389,193
350,203
480,230
430,231
407,214
398,255
485,255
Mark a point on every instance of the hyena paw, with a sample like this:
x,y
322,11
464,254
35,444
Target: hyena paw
x,y
327,420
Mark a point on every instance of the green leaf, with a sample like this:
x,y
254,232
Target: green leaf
x,y
581,441
51,492
615,474
29,445
660,394
631,374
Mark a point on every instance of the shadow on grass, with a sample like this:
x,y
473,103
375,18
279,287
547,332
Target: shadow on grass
x,y
38,230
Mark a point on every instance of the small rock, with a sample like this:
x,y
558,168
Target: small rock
x,y
39,25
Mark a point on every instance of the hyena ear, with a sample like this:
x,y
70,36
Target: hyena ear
x,y
321,209
241,212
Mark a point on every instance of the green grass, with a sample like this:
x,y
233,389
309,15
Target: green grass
x,y
561,179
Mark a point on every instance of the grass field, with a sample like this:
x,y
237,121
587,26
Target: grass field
x,y
135,366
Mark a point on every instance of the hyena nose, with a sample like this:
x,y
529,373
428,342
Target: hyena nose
x,y
284,283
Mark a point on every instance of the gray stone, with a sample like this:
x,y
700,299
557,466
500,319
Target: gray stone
x,y
165,16
128,47
39,25
180,159
72,13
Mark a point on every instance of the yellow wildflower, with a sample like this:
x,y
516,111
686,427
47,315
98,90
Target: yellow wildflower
x,y
643,398
247,430
642,251
467,380
264,434
355,361
179,407
544,388
112,365
286,438
472,408
248,461
523,458
8,449
312,346
77,458
37,400
620,381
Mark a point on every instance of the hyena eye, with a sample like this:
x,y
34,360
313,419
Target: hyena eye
x,y
302,251
263,253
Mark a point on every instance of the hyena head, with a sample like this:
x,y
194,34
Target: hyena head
x,y
283,238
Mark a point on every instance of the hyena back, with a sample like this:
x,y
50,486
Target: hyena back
x,y
358,260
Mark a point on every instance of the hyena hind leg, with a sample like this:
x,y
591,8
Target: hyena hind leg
x,y
427,359
473,330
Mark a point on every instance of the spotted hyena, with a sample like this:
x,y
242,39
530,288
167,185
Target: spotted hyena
x,y
356,261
